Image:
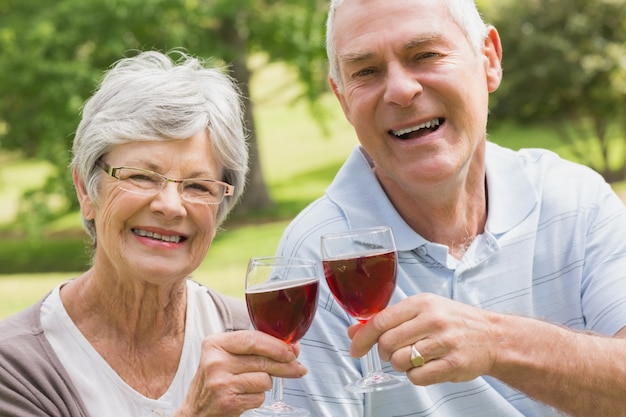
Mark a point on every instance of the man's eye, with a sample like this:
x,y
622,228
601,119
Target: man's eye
x,y
363,73
426,55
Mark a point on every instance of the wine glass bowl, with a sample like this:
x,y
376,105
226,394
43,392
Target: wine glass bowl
x,y
360,269
285,312
281,296
363,284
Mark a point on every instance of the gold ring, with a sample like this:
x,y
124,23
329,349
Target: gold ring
x,y
416,358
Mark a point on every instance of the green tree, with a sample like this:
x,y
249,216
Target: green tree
x,y
52,57
565,67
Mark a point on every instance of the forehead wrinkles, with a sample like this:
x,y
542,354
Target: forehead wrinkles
x,y
363,29
417,42
356,43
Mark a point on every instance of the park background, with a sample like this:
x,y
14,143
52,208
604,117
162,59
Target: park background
x,y
564,89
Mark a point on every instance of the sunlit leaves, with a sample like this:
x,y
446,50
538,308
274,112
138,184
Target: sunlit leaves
x,y
565,66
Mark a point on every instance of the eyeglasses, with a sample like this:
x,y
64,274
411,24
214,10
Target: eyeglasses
x,y
146,182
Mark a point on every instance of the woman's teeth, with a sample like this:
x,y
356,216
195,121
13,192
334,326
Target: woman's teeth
x,y
164,238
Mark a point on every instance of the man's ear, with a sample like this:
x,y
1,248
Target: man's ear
x,y
341,98
493,63
87,207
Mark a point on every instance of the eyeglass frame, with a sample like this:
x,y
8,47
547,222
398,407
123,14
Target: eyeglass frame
x,y
113,172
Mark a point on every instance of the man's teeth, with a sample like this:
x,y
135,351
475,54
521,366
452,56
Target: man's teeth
x,y
145,233
425,125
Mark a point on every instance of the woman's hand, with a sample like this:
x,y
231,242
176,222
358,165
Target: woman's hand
x,y
235,372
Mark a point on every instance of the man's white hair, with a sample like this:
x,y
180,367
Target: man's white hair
x,y
463,12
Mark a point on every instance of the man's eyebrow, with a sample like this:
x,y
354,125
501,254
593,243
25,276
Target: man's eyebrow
x,y
423,39
354,57
417,42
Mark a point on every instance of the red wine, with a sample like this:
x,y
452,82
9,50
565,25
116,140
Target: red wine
x,y
362,285
283,309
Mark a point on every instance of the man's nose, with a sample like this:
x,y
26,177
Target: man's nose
x,y
401,85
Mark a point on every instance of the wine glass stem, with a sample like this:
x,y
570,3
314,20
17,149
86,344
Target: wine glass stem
x,y
373,365
277,390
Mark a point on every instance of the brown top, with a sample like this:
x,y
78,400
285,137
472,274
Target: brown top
x,y
33,382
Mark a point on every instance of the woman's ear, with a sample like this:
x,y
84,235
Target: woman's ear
x,y
87,207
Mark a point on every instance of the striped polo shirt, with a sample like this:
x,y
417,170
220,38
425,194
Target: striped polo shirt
x,y
554,248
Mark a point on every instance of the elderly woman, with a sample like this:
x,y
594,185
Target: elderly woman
x,y
159,159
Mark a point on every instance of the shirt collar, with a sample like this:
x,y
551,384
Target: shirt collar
x,y
512,196
357,190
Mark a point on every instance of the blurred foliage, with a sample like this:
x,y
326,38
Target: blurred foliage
x,y
49,255
52,57
565,67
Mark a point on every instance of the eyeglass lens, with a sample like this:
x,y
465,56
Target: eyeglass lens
x,y
150,183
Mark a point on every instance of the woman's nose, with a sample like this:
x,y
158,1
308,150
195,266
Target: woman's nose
x,y
169,201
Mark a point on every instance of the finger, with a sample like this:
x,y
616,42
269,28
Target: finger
x,y
391,317
254,363
214,361
430,348
353,329
252,342
441,367
252,351
234,405
249,401
365,336
433,372
412,356
253,383
218,389
402,336
400,360
296,348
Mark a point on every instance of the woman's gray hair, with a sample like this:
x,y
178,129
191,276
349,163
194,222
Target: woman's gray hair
x,y
463,12
160,97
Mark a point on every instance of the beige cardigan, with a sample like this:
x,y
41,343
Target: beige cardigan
x,y
32,380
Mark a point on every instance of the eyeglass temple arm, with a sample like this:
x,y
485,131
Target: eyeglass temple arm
x,y
108,169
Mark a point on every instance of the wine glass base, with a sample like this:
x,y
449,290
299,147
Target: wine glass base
x,y
277,409
378,381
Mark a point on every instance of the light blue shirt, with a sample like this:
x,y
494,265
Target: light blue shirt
x,y
554,247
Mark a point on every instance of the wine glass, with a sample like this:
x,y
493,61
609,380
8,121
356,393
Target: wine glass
x,y
360,269
281,295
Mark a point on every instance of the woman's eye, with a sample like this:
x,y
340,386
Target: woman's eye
x,y
143,178
197,186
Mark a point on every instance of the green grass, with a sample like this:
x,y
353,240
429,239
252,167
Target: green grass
x,y
20,290
517,137
54,254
